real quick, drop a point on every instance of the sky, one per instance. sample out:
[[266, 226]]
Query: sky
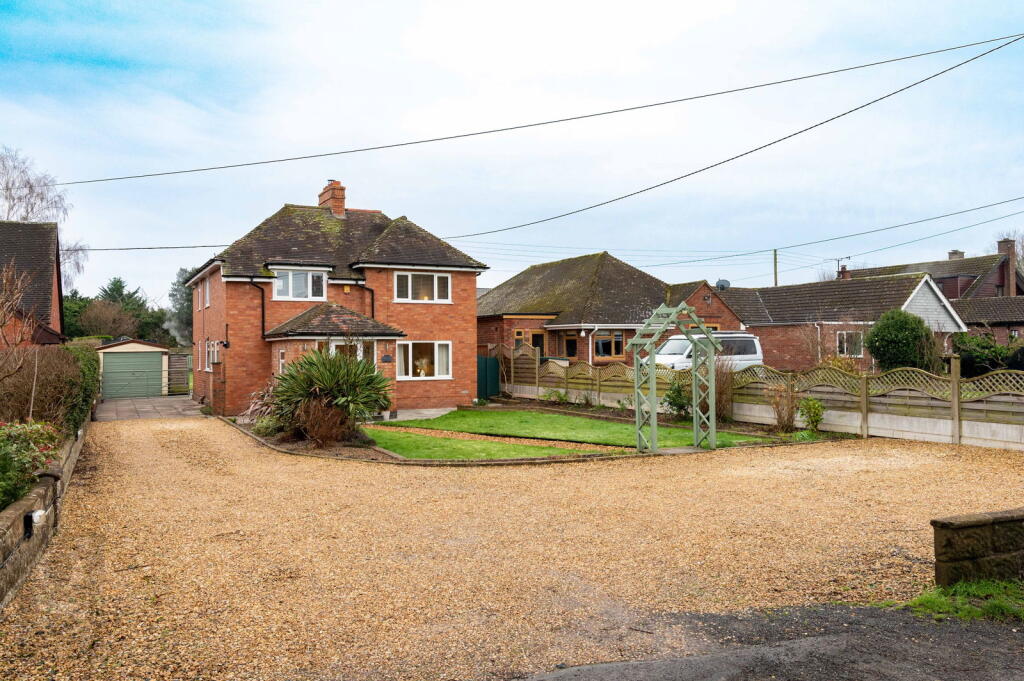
[[91, 89]]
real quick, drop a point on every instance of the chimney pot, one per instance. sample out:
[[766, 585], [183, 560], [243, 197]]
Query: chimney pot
[[333, 196], [956, 254], [843, 272]]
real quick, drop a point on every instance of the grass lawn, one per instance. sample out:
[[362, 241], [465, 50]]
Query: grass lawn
[[561, 427], [973, 600], [414, 446]]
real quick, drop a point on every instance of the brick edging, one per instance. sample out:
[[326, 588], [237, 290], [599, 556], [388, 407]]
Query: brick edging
[[461, 463]]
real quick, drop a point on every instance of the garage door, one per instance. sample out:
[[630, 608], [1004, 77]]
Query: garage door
[[132, 374]]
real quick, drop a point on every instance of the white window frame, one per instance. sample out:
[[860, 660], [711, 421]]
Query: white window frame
[[206, 292], [210, 348], [292, 273], [843, 335], [435, 275], [281, 361], [451, 361], [358, 342]]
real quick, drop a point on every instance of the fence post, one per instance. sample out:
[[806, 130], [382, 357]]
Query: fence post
[[512, 372], [597, 372], [536, 371], [568, 364], [864, 405], [954, 397]]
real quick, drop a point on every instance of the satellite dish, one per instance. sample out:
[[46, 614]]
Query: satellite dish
[[722, 284]]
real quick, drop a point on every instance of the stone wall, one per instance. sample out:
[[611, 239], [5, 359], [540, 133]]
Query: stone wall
[[22, 538], [979, 546]]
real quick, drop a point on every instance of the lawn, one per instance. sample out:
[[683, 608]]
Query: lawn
[[414, 446], [562, 427]]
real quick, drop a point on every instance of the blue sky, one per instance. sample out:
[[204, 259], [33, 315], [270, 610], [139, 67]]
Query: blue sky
[[98, 89]]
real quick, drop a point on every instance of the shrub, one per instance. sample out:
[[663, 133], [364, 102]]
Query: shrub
[[266, 426], [812, 411], [326, 395], [982, 354], [679, 398], [783, 401], [847, 364], [56, 384], [24, 448], [901, 339], [552, 395]]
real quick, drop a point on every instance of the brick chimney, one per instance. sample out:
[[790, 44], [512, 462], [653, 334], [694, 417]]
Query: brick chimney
[[333, 196], [1008, 247], [956, 255], [843, 273]]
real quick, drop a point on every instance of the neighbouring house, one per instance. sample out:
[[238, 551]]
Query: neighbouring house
[[801, 324], [586, 308], [33, 250], [1001, 316], [984, 276], [354, 281]]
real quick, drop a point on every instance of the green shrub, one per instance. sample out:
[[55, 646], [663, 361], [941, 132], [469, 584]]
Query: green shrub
[[901, 339], [24, 449], [326, 395], [982, 354], [679, 398], [552, 395], [812, 411], [88, 385], [266, 426]]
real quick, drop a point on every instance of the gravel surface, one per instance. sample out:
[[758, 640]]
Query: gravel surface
[[459, 435], [187, 551]]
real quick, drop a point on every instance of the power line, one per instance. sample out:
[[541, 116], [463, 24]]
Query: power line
[[740, 155], [154, 248], [524, 126]]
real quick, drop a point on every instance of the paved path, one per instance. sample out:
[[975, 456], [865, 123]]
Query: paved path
[[147, 408], [187, 551]]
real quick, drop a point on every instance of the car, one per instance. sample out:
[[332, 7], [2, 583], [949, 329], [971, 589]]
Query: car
[[742, 348]]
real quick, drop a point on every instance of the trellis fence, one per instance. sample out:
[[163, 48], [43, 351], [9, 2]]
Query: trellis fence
[[907, 403]]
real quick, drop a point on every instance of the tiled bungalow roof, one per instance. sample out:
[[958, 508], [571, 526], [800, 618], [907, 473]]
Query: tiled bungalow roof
[[332, 319], [837, 300], [589, 289], [32, 248], [677, 293], [314, 235], [999, 310]]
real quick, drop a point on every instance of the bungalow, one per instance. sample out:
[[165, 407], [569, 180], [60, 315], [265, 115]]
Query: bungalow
[[351, 280], [30, 251], [800, 325], [586, 308]]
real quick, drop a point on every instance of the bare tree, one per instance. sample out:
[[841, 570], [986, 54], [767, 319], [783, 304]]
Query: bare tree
[[1018, 236], [104, 318], [28, 195], [825, 274], [16, 324]]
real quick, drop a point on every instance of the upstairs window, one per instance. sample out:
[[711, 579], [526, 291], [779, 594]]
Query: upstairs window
[[300, 285], [206, 292], [422, 287], [850, 343]]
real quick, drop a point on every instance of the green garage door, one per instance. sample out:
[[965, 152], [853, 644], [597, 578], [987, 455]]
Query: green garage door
[[132, 374]]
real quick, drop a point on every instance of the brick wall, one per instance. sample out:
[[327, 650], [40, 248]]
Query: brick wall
[[1001, 333], [979, 546], [794, 347]]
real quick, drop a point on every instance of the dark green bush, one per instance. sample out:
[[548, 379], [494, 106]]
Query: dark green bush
[[982, 354], [812, 411], [901, 339], [24, 449], [88, 385], [679, 398], [266, 426]]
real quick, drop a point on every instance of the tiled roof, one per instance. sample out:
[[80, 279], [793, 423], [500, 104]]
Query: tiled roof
[[998, 310], [589, 289], [332, 319], [977, 267], [32, 248], [677, 293], [837, 300], [312, 234]]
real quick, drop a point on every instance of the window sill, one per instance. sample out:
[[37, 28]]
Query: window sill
[[422, 302], [424, 378], [300, 300]]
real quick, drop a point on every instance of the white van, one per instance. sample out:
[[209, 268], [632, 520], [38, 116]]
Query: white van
[[744, 349]]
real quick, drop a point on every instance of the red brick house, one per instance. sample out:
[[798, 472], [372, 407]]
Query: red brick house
[[800, 325], [328, 276], [586, 308], [1002, 316], [32, 249]]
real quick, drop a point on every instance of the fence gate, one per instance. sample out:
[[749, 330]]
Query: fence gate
[[487, 377], [645, 393]]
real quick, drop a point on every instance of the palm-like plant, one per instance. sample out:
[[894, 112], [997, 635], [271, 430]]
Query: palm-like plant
[[327, 395]]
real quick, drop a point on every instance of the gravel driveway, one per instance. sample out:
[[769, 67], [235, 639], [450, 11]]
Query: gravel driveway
[[189, 552]]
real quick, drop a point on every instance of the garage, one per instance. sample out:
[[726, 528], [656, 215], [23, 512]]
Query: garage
[[133, 368]]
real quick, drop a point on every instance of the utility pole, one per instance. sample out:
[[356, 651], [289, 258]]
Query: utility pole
[[775, 264]]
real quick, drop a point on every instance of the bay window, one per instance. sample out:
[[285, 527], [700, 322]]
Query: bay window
[[300, 285], [424, 359], [422, 287]]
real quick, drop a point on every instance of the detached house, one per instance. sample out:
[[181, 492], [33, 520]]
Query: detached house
[[586, 308], [354, 281], [800, 325], [32, 251]]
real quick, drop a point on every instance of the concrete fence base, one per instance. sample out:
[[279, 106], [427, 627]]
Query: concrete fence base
[[27, 525], [979, 546]]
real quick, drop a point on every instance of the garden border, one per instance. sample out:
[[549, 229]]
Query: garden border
[[23, 539]]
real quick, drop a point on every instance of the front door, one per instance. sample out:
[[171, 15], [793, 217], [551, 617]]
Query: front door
[[537, 341]]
